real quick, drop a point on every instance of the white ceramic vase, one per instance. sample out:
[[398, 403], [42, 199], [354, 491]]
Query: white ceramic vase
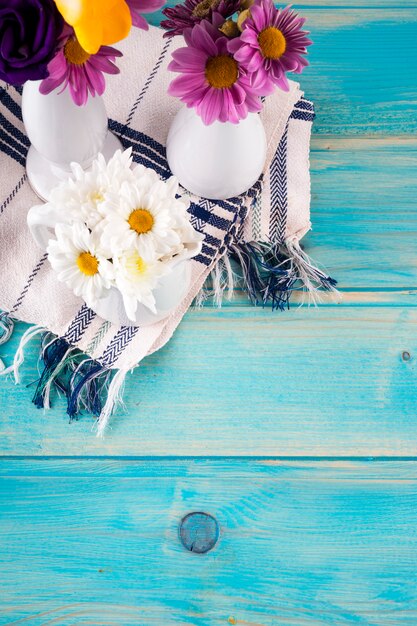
[[218, 161], [60, 133], [169, 293]]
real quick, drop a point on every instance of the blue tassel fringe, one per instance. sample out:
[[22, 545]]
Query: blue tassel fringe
[[269, 273], [272, 273], [82, 380]]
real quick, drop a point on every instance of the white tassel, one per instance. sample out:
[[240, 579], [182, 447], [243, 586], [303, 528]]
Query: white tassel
[[19, 357], [6, 327], [308, 274], [114, 398], [223, 280]]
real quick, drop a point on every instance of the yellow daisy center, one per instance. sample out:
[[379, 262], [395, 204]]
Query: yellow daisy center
[[221, 71], [140, 265], [135, 265], [74, 53], [272, 43], [87, 264], [96, 197], [141, 221]]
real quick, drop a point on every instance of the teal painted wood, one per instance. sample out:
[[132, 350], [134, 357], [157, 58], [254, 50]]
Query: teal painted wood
[[329, 382], [300, 543]]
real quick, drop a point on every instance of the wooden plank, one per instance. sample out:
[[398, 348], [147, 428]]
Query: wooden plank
[[242, 381], [363, 214], [313, 543], [355, 91]]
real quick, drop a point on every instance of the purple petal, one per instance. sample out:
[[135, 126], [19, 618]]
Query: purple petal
[[211, 105], [202, 41], [183, 85], [258, 17]]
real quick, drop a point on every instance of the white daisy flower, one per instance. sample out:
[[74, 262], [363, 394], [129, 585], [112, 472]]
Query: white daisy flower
[[83, 194], [136, 277], [76, 257], [144, 214], [121, 226]]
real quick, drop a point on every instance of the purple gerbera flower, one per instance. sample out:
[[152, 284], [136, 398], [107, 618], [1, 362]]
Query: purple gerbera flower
[[271, 44], [137, 7], [83, 73], [211, 80], [192, 12]]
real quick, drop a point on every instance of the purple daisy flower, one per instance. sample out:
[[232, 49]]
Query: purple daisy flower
[[81, 72], [192, 12], [271, 44], [211, 80], [137, 7]]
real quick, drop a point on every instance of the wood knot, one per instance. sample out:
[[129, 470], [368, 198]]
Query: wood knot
[[198, 532]]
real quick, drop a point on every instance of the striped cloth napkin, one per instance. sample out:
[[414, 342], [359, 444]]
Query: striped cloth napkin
[[87, 357]]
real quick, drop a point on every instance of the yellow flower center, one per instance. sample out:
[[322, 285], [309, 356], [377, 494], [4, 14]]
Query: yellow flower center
[[141, 221], [87, 264], [272, 43], [221, 71], [140, 265], [96, 197], [135, 265], [74, 53]]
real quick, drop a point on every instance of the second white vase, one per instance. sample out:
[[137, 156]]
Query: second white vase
[[219, 161], [61, 133]]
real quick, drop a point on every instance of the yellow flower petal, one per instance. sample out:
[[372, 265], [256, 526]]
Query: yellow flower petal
[[97, 22], [71, 10]]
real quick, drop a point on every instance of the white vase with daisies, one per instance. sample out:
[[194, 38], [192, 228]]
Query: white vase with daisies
[[119, 238]]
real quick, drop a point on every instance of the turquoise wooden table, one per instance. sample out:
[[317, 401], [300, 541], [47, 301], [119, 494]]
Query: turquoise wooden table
[[296, 433]]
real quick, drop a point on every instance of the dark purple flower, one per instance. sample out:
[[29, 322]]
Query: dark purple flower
[[29, 31], [192, 12]]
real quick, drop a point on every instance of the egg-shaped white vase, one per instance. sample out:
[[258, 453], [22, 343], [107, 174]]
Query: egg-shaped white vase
[[60, 132], [218, 161]]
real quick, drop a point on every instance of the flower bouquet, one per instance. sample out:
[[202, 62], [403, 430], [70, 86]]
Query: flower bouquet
[[237, 52], [121, 241], [61, 51]]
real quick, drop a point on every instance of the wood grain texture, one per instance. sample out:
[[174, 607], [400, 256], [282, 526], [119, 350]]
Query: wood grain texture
[[329, 382], [300, 543]]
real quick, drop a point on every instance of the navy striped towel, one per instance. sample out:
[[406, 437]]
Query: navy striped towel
[[260, 230]]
